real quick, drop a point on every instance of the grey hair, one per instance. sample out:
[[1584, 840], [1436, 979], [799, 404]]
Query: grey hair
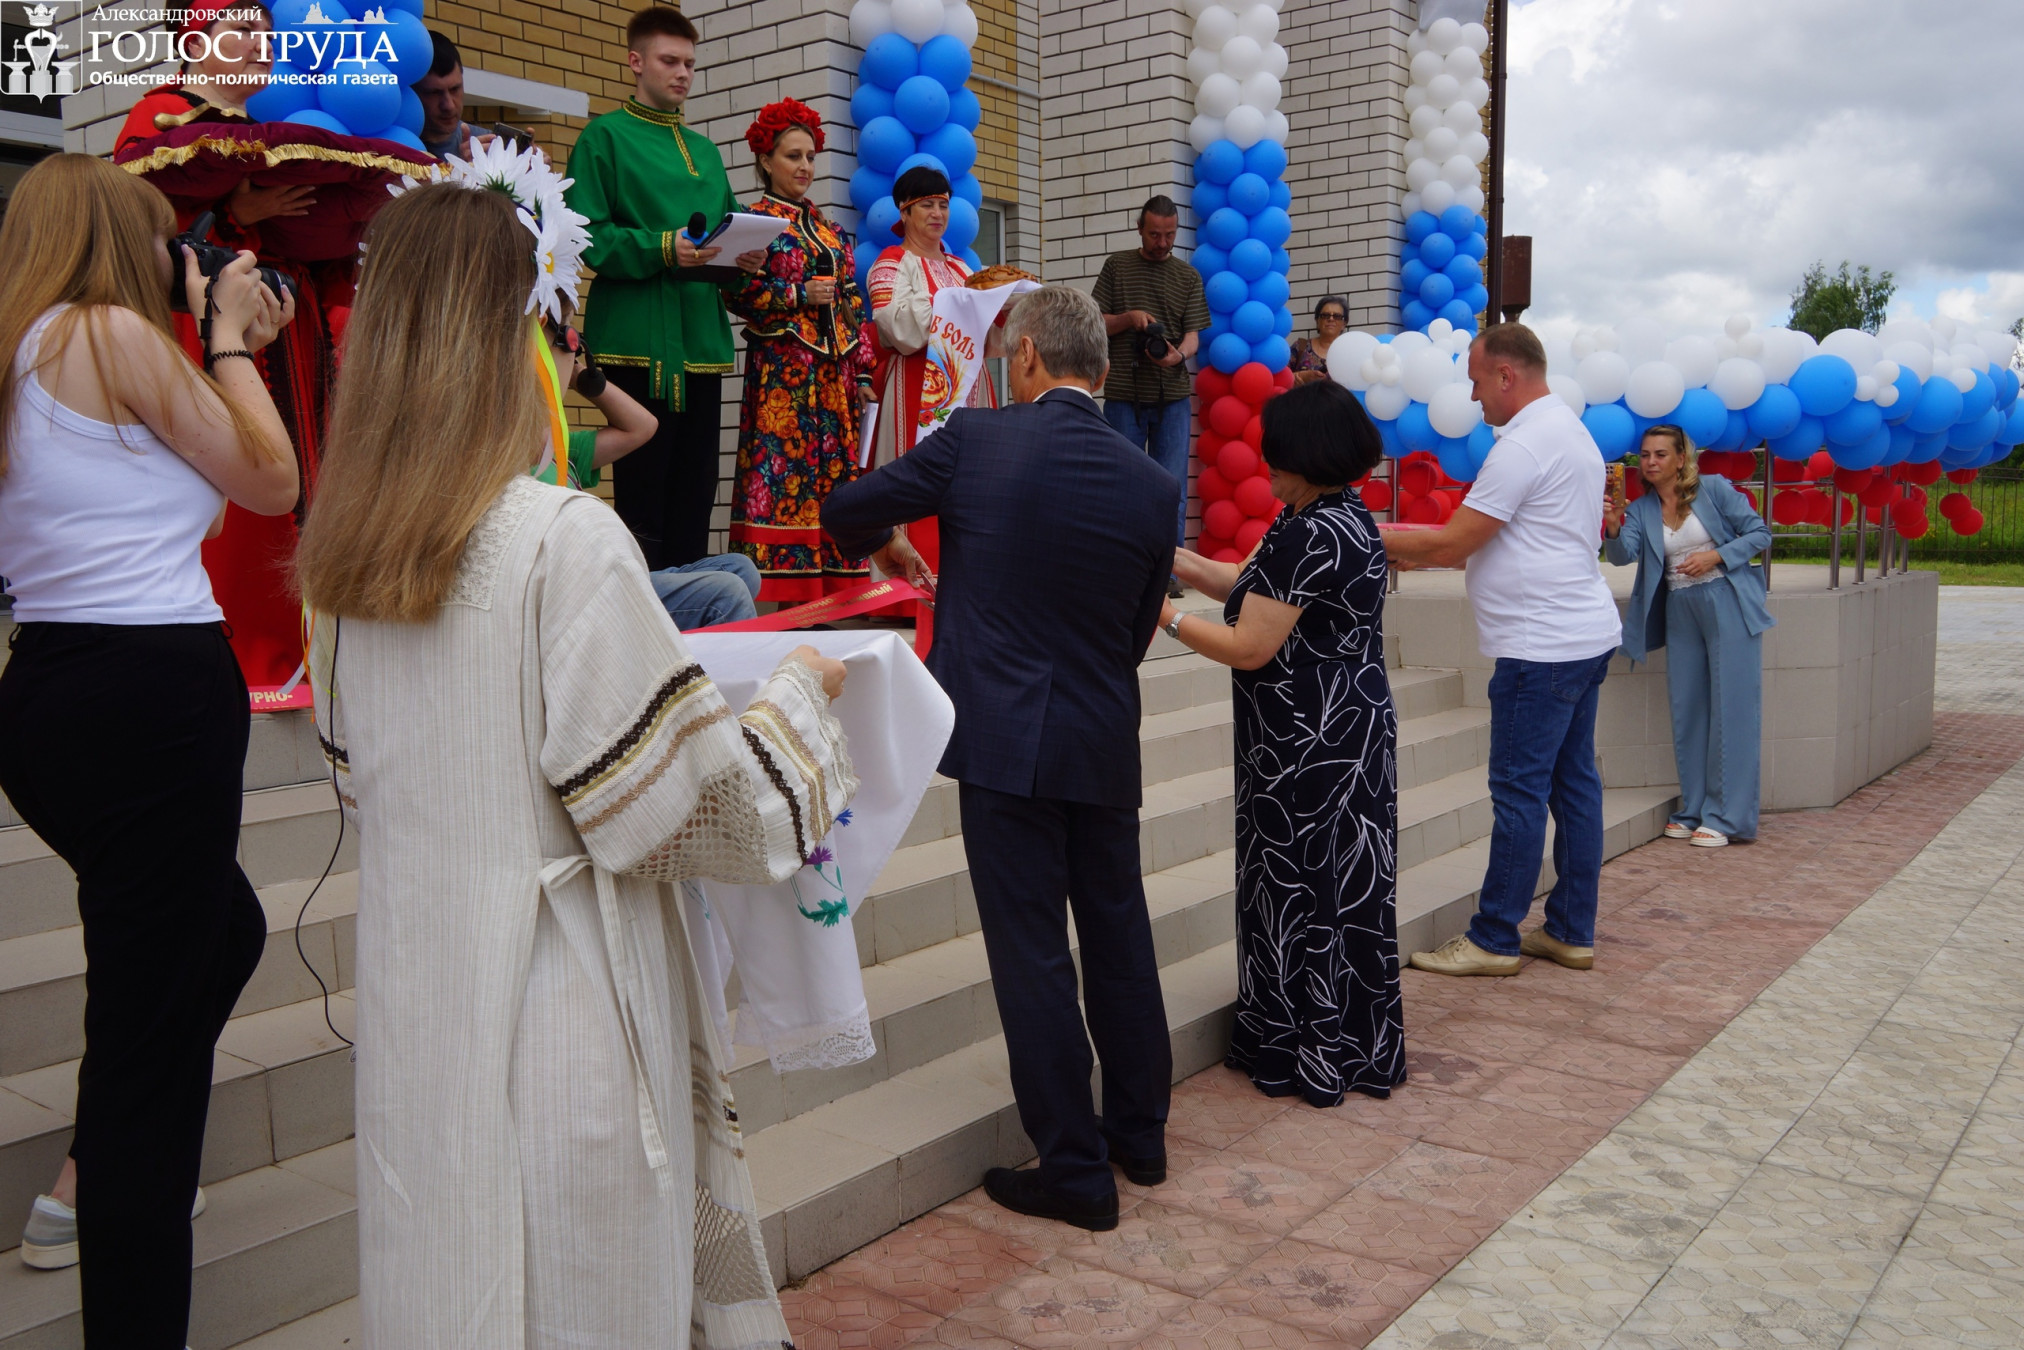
[[1067, 332]]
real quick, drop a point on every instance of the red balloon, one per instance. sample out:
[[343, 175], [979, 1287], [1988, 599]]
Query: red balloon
[[1426, 511], [1954, 502], [1221, 519], [1848, 510], [1252, 383], [1928, 472], [1788, 508], [1788, 471], [1377, 496], [1962, 476], [1756, 502], [1912, 527], [1820, 466], [1853, 480], [1227, 416], [1418, 478], [1237, 461], [1880, 492], [1405, 504], [1254, 498], [1905, 510], [1914, 492], [1211, 384], [1207, 444], [1211, 486], [1283, 379], [1226, 555], [1248, 535], [1254, 433], [1819, 507], [1968, 522]]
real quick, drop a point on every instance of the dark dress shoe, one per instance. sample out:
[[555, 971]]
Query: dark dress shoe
[[1147, 1171], [1024, 1193]]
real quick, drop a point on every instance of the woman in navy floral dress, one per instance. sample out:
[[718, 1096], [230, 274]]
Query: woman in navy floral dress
[[807, 373], [1318, 1009]]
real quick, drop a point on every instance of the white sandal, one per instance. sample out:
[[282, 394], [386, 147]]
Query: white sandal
[[1675, 830], [1707, 838]]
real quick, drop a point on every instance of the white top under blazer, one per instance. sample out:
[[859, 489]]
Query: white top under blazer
[[99, 523]]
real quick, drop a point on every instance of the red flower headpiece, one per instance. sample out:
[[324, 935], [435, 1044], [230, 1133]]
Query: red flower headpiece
[[774, 118]]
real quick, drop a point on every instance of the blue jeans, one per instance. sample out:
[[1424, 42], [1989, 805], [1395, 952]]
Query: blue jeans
[[719, 589], [1161, 430], [1542, 760]]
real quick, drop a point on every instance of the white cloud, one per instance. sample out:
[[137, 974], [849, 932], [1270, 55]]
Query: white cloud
[[1686, 161]]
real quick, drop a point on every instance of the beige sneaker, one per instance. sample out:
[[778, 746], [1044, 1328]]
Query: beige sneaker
[[1537, 943], [1459, 956]]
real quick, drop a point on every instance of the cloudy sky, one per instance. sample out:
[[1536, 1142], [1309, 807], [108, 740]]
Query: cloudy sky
[[1687, 159]]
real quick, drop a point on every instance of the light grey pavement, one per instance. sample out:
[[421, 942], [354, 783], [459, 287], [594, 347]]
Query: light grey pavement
[[1981, 659]]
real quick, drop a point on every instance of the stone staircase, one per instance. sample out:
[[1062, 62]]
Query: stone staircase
[[839, 1157]]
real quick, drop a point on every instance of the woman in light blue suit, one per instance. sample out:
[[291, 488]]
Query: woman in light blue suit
[[1697, 596]]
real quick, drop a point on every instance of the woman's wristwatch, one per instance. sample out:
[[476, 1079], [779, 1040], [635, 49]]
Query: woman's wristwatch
[[1174, 628]]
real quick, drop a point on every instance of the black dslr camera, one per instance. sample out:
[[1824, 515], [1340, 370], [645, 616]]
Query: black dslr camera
[[1152, 342], [211, 260]]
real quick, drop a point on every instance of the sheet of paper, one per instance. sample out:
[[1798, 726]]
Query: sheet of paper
[[744, 232], [864, 441]]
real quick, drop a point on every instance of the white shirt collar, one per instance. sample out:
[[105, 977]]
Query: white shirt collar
[[1526, 413]]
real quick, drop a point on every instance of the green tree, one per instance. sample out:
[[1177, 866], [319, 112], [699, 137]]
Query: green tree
[[1848, 298]]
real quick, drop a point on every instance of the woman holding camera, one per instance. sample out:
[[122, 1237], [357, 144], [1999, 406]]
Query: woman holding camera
[[807, 372], [1697, 596], [123, 716]]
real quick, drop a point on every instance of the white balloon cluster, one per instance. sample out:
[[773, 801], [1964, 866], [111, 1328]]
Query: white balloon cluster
[[914, 20], [1429, 368], [1236, 63], [1444, 102]]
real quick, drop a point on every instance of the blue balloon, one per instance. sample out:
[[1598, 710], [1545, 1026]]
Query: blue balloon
[[1908, 389], [1477, 298], [1480, 442], [1248, 194], [317, 117], [1282, 261], [946, 60], [1459, 315], [881, 226], [1464, 272], [867, 186], [1220, 163], [1410, 253], [870, 102], [1251, 321], [1267, 159], [1807, 435], [1458, 222], [362, 96], [1272, 226], [1475, 246], [1902, 444], [400, 135], [1735, 431], [1209, 260], [1282, 318], [1412, 276], [921, 103], [2013, 428], [1226, 290], [1227, 228], [1775, 413], [1219, 324], [1208, 199], [1978, 400], [884, 144], [1928, 448], [1824, 385], [1701, 415], [1453, 454], [1229, 351], [1854, 424], [1436, 290], [413, 117], [963, 223], [2006, 394], [889, 61], [1938, 408], [285, 95], [1388, 434], [971, 260], [1437, 250], [1282, 194], [964, 109], [1415, 431], [1415, 315], [1420, 224], [1871, 451], [1250, 259], [1271, 291], [414, 51], [1273, 353], [1975, 432], [917, 160], [955, 147], [969, 189]]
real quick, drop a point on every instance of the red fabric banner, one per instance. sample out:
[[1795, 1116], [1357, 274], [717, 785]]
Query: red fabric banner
[[842, 605]]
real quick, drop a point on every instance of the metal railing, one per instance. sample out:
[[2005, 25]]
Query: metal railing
[[1997, 492]]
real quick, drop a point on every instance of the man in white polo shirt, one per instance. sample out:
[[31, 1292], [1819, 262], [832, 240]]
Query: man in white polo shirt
[[1530, 530]]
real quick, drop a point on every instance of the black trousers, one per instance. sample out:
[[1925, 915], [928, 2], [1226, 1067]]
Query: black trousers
[[123, 748], [664, 491], [1028, 854]]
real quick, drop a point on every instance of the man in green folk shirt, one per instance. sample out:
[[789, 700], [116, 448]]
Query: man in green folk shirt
[[660, 336]]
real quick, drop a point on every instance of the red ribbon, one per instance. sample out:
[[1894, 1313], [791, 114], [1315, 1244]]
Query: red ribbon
[[843, 605]]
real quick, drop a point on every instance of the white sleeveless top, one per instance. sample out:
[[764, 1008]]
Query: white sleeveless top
[[99, 523], [1692, 537]]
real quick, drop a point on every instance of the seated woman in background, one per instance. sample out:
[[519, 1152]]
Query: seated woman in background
[[1310, 355], [1697, 596], [1318, 1008]]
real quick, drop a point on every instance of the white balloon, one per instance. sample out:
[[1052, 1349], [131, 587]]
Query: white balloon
[[1421, 172], [1241, 57], [1604, 376], [1440, 143], [1737, 325], [1348, 356], [1261, 91], [2002, 348], [1461, 119], [1275, 5], [1438, 331], [1969, 355], [1654, 388], [1476, 38], [1785, 350], [1476, 93], [1963, 378], [1386, 401], [1886, 397], [917, 20], [1738, 382], [1277, 129], [1426, 66], [1218, 95], [1202, 63], [1464, 64], [1214, 26], [1944, 328], [1370, 372], [1694, 358], [1458, 170], [1583, 345], [1606, 340], [1275, 60], [869, 19], [1943, 365], [1415, 149], [1476, 147], [1641, 340], [1865, 387], [1885, 373], [1245, 126], [1444, 35], [1424, 119], [1725, 347], [1416, 98], [1750, 345], [1452, 411], [1471, 197], [960, 23], [1409, 205], [1438, 195], [1861, 350], [1260, 23], [1906, 330], [1204, 132], [1416, 42], [1443, 89], [1568, 389], [1405, 344], [1426, 371]]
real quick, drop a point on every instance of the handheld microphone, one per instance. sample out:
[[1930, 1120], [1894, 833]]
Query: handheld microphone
[[699, 227]]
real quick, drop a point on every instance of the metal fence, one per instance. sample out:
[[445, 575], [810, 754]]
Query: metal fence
[[1997, 492]]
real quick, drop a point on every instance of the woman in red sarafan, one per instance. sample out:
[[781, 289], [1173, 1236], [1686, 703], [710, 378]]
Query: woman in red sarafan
[[807, 372]]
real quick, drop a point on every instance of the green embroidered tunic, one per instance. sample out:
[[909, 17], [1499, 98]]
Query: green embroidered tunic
[[640, 175]]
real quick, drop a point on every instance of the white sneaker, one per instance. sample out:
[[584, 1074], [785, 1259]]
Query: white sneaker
[[1707, 838], [49, 1240], [1675, 830]]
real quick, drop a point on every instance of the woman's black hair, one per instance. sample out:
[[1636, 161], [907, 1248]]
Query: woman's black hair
[[1319, 431], [1325, 301], [918, 182]]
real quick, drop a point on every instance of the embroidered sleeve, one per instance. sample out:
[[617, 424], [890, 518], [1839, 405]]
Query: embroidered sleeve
[[659, 777], [902, 317], [774, 291]]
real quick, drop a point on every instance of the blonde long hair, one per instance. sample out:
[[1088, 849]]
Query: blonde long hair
[[437, 405], [1688, 484], [82, 233]]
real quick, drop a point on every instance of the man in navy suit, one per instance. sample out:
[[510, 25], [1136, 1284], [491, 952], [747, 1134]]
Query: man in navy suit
[[1057, 540]]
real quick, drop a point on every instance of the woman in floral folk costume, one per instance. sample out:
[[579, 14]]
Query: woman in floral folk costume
[[807, 372]]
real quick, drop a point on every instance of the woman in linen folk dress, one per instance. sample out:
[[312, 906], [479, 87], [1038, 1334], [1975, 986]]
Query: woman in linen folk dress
[[548, 1153]]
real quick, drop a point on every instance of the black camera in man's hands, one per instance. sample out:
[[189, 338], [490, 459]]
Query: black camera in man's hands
[[211, 260], [1152, 342]]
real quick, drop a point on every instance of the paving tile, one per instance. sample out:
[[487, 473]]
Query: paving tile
[[1524, 1289], [935, 1262], [1250, 1190], [1344, 1295], [1324, 1143], [1061, 1303], [1185, 1250], [1590, 1102], [1219, 1106], [1636, 1197], [1210, 1326], [829, 1314]]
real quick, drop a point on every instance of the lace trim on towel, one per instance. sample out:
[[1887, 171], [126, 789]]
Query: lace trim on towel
[[485, 547], [835, 1047]]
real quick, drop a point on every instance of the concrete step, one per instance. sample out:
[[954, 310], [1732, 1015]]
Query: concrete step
[[275, 1244]]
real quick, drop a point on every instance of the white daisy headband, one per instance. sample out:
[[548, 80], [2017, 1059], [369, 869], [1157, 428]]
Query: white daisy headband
[[536, 190]]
